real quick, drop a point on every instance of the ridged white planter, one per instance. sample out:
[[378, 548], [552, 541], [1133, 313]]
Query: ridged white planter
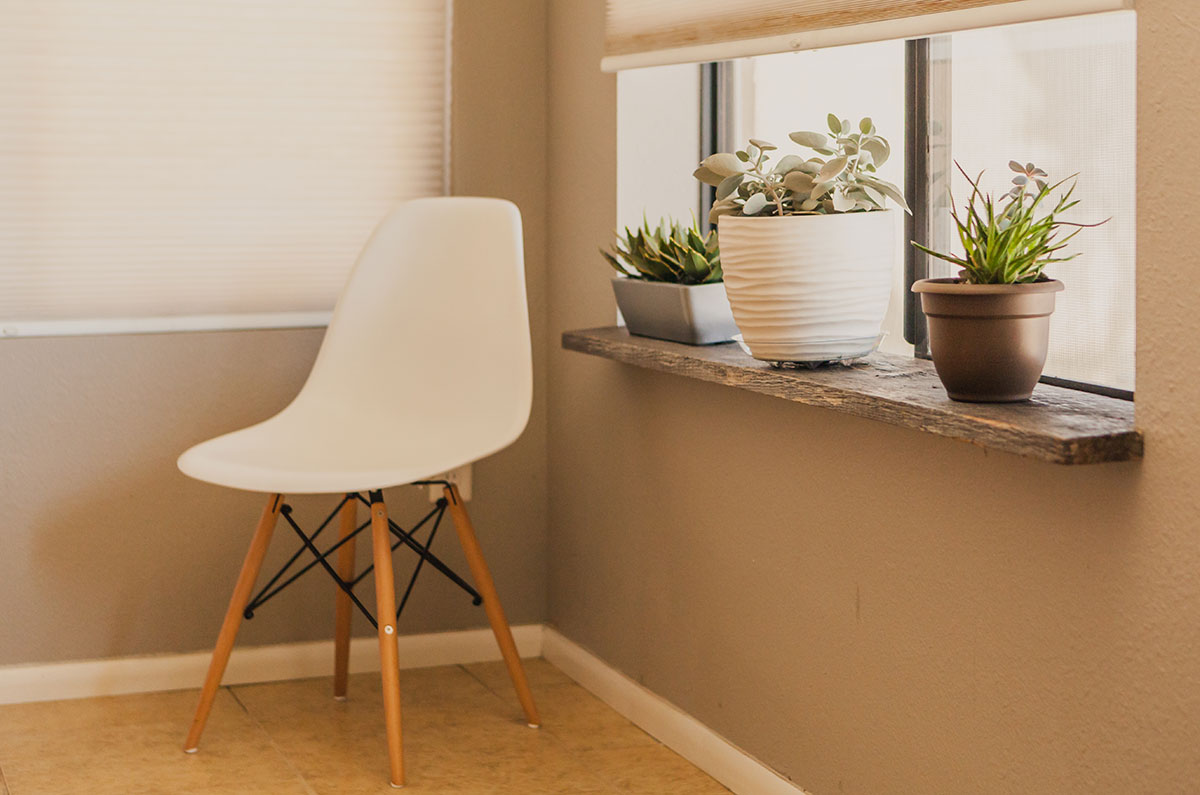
[[809, 287]]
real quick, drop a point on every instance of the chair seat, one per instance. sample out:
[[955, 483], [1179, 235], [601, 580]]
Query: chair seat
[[296, 454], [426, 364]]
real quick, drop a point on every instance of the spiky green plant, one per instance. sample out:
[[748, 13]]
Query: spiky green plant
[[671, 253], [1007, 240]]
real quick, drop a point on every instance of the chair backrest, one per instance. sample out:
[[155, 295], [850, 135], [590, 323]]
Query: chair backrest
[[429, 343]]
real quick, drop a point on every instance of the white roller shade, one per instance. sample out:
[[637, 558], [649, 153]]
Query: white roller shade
[[656, 32], [206, 163]]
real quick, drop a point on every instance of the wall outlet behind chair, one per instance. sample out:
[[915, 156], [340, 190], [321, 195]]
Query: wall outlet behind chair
[[459, 476]]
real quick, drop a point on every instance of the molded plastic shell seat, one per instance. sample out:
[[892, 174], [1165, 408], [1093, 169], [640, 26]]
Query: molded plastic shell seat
[[426, 364]]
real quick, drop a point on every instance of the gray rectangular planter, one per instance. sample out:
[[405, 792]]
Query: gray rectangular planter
[[695, 314]]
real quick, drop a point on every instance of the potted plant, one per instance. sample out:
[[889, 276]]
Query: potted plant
[[989, 328], [669, 284], [808, 246]]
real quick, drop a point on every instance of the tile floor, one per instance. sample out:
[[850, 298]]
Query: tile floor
[[463, 735]]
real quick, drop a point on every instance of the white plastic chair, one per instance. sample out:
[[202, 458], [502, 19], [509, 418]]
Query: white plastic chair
[[426, 366]]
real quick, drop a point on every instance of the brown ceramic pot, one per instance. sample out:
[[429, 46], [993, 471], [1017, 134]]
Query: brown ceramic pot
[[988, 341]]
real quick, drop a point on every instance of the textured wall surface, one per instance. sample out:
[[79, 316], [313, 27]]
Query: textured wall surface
[[866, 608], [107, 550]]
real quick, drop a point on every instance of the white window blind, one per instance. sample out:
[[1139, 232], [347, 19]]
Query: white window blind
[[174, 163], [656, 32]]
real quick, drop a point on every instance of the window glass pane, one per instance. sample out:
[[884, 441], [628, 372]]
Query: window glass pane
[[779, 94], [1061, 94], [658, 143]]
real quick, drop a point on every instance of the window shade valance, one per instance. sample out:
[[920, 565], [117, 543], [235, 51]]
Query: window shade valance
[[175, 164], [655, 32]]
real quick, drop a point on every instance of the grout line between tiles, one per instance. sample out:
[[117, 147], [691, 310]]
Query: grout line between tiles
[[486, 686], [238, 700], [286, 760]]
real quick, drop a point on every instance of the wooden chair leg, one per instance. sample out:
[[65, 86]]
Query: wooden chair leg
[[233, 618], [342, 604], [389, 653], [491, 602]]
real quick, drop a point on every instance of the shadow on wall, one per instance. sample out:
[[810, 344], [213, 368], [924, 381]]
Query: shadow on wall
[[785, 572], [100, 525], [162, 583], [149, 564]]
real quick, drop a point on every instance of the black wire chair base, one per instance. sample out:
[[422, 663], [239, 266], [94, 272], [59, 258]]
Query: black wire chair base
[[406, 538]]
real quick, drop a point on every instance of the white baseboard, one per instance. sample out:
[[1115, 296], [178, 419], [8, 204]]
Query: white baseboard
[[666, 722], [87, 678]]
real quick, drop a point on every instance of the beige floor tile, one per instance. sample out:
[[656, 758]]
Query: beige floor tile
[[133, 744], [649, 770], [463, 734], [549, 769], [442, 685], [20, 720], [539, 673], [582, 722], [449, 748], [456, 773], [297, 787]]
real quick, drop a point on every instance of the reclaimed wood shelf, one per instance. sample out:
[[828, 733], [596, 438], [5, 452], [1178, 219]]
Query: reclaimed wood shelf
[[1063, 426]]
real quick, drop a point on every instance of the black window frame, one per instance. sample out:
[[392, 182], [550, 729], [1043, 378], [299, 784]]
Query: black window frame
[[927, 166]]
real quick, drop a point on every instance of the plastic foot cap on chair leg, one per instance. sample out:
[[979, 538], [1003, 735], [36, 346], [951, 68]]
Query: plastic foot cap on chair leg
[[534, 725], [339, 698], [190, 750], [395, 785]]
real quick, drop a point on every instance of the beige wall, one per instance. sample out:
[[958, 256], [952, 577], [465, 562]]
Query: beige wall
[[106, 550], [869, 609]]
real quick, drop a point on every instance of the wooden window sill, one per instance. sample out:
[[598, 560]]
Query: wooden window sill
[[1062, 426]]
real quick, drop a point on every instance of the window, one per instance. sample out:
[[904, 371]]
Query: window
[[658, 140], [1059, 93], [214, 164]]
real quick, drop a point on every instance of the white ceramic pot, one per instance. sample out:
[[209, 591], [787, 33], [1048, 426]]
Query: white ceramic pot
[[807, 288]]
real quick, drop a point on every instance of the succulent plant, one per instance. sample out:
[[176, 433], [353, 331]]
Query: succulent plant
[[671, 252], [1007, 241], [842, 181]]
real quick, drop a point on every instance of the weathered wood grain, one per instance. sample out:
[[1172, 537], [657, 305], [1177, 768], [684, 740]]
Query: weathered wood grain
[[1063, 426]]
